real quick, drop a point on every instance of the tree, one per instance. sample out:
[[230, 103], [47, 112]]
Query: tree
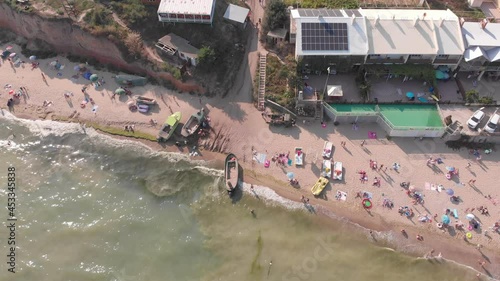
[[206, 57], [276, 15]]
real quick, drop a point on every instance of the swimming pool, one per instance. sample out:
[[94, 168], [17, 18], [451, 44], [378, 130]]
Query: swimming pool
[[412, 115], [403, 120]]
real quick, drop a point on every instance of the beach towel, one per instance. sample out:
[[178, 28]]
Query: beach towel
[[422, 99], [341, 195], [260, 158], [367, 195], [427, 186], [372, 135], [440, 188], [455, 213], [290, 162]]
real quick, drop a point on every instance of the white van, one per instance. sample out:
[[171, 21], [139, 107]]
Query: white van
[[492, 124]]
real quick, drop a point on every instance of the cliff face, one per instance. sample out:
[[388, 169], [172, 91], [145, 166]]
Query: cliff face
[[62, 35], [66, 37]]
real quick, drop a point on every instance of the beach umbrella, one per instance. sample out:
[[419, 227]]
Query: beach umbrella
[[450, 169], [12, 55], [33, 57], [410, 95], [8, 48], [470, 217], [94, 77], [120, 91], [445, 219], [290, 175], [53, 63], [76, 68], [450, 191]]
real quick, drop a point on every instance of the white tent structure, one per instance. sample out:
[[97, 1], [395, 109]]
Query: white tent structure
[[334, 91]]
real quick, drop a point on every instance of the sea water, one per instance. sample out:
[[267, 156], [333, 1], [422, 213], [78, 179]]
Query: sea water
[[90, 207]]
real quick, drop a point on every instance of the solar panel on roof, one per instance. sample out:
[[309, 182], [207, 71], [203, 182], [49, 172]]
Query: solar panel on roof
[[349, 13], [324, 37], [357, 13]]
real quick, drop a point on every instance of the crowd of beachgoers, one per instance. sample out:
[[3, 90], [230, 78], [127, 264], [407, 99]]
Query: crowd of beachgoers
[[425, 194]]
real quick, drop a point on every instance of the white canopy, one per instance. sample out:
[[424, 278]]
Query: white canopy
[[474, 53], [334, 91], [494, 54]]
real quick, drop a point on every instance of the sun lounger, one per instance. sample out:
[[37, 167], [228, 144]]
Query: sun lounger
[[337, 171], [299, 156], [327, 150]]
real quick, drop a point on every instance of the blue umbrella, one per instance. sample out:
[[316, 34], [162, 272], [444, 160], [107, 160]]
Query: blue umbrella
[[451, 169], [410, 95], [33, 58], [290, 175], [445, 219], [450, 192]]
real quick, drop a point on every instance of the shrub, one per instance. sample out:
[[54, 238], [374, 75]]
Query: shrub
[[132, 11], [206, 58], [98, 17], [275, 15], [133, 42], [471, 96]]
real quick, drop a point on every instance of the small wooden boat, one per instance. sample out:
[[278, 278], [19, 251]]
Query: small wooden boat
[[168, 128], [145, 100], [231, 173], [319, 186], [193, 123]]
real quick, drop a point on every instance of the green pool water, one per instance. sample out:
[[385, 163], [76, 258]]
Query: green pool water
[[400, 115], [354, 107]]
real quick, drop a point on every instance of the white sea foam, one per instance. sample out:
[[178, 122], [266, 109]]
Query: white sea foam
[[271, 197]]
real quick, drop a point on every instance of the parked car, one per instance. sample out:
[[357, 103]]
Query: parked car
[[492, 124], [476, 118]]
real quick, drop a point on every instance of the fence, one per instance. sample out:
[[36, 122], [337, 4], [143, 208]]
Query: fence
[[383, 122]]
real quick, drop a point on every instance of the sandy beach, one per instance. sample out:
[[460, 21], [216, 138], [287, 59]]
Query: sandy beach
[[247, 135]]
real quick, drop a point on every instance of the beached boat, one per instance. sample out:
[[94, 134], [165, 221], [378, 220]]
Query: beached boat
[[145, 100], [231, 173], [299, 156], [168, 128], [337, 171], [327, 150], [130, 80], [193, 123], [327, 169], [319, 186]]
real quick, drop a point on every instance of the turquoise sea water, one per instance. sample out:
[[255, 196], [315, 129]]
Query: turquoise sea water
[[94, 208]]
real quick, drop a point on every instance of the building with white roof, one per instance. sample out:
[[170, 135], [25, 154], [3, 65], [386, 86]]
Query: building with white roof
[[376, 36], [482, 43], [187, 11]]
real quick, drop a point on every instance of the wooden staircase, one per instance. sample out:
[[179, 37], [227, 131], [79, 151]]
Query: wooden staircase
[[262, 82]]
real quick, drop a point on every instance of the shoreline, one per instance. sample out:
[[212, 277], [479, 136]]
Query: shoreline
[[332, 214], [242, 129]]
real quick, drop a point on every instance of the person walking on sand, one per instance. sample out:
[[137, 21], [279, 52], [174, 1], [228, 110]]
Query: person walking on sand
[[362, 143], [43, 78], [472, 181], [380, 167], [481, 263]]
